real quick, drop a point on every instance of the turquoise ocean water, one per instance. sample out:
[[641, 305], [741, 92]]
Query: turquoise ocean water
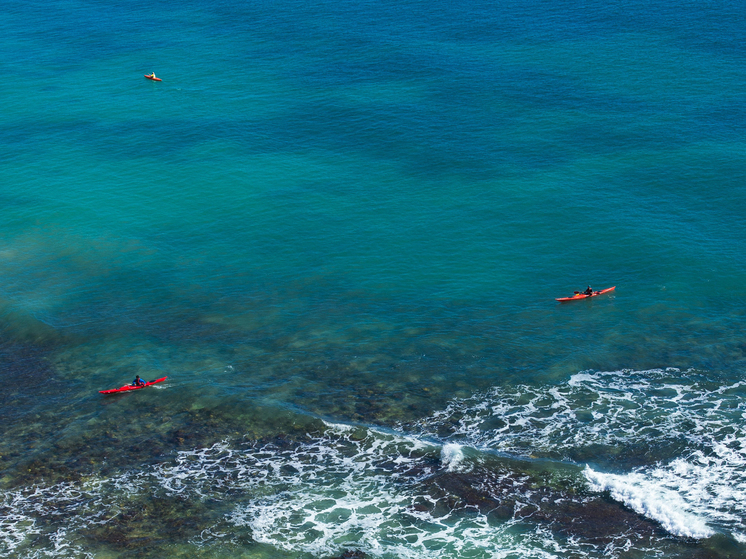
[[339, 228]]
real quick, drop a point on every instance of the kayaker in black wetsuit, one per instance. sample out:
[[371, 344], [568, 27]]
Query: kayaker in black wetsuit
[[588, 291], [138, 381]]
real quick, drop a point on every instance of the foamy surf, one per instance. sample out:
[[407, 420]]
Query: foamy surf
[[388, 495], [645, 496], [695, 482], [404, 494], [452, 458], [687, 494]]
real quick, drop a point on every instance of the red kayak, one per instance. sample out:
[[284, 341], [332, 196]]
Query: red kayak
[[579, 295], [152, 77], [130, 387]]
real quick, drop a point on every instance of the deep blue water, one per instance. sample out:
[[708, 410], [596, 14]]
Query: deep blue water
[[339, 229]]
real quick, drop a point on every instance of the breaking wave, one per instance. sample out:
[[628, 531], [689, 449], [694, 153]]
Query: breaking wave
[[459, 483], [678, 435], [348, 488]]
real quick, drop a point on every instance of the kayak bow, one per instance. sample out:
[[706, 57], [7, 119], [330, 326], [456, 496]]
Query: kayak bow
[[129, 387], [579, 296]]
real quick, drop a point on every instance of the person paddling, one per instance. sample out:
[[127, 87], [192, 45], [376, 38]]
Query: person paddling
[[138, 381], [588, 291], [152, 75]]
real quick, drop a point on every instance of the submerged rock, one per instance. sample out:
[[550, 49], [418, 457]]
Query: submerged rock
[[352, 554], [507, 493]]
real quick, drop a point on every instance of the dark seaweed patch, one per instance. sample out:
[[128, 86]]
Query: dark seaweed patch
[[154, 520]]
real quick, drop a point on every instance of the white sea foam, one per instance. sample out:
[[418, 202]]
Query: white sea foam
[[644, 495], [368, 501], [15, 529], [700, 420], [359, 488], [350, 488], [452, 458], [76, 505]]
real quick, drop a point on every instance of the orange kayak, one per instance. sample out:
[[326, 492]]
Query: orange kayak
[[579, 296], [153, 78]]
